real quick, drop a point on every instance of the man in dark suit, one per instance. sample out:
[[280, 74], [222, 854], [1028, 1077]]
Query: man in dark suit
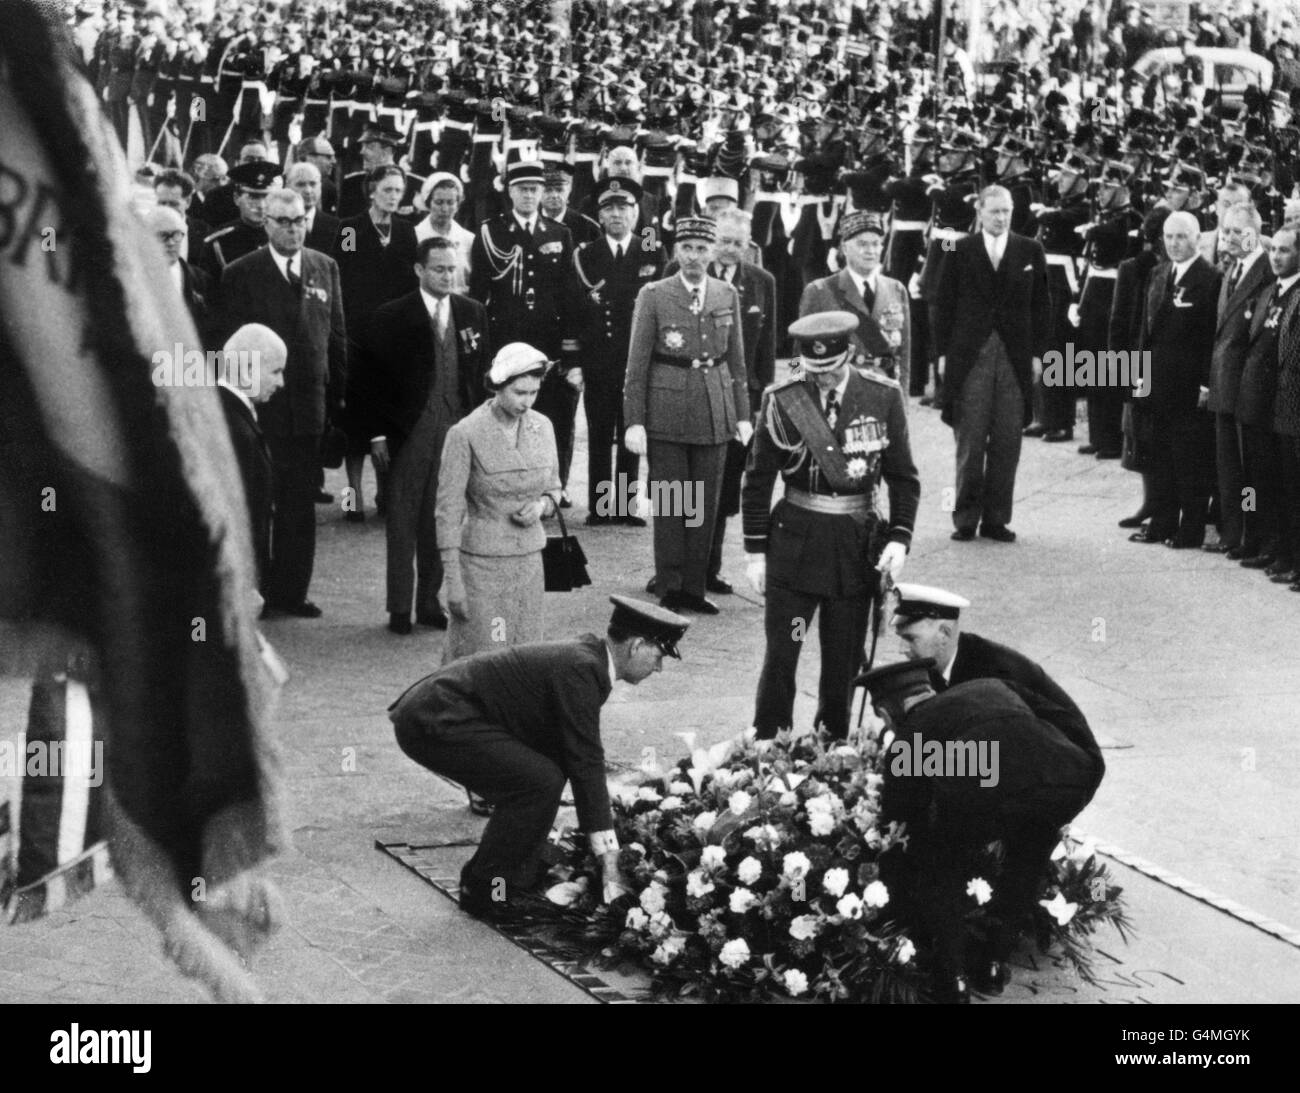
[[611, 271], [296, 293], [831, 433], [884, 335], [1178, 334], [1028, 780], [557, 183], [322, 229], [927, 621], [175, 189], [320, 154], [757, 291], [252, 370], [1266, 541], [684, 398], [1286, 410], [993, 295], [514, 725], [193, 285], [1247, 276], [521, 270], [426, 358]]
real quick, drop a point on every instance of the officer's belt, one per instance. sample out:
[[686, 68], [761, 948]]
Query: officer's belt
[[824, 450], [1066, 262], [683, 362], [1107, 274], [909, 225], [954, 234], [846, 505]]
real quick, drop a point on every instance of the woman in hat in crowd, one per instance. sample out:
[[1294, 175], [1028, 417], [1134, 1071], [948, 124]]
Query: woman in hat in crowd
[[500, 477], [440, 198]]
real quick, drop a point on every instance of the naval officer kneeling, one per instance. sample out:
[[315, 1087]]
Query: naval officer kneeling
[[514, 724]]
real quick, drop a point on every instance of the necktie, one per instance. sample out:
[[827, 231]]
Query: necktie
[[1234, 277], [869, 297], [618, 253], [697, 304], [832, 408], [1173, 281], [295, 282], [440, 320], [995, 255]]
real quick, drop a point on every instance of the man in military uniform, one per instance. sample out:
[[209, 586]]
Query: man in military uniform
[[557, 184], [611, 271], [515, 724], [521, 270], [1031, 779], [252, 182], [685, 397], [831, 433]]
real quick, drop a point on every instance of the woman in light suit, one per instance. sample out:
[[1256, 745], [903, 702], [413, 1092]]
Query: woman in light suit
[[500, 477]]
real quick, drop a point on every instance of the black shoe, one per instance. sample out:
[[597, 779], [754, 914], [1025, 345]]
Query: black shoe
[[1134, 521], [997, 532], [1033, 430], [952, 991], [1258, 561], [304, 610], [632, 522], [598, 521], [1235, 554], [1087, 449], [990, 978], [926, 400], [1110, 455], [1289, 577], [436, 619], [565, 503], [355, 517], [718, 585], [1058, 436], [963, 535], [1278, 567], [1216, 548], [323, 498], [1178, 542], [478, 805], [476, 899], [650, 586], [698, 604], [1144, 537], [1294, 587], [399, 623]]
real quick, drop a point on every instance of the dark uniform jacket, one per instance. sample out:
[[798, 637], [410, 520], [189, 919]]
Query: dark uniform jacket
[[980, 658], [1037, 763], [1232, 335], [608, 294], [686, 371], [973, 301], [227, 244], [546, 695], [1267, 315], [757, 290], [822, 553], [254, 461], [400, 360], [253, 290], [582, 228], [526, 282], [1179, 333]]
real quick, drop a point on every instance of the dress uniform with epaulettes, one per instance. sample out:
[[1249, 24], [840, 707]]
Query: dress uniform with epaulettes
[[819, 540]]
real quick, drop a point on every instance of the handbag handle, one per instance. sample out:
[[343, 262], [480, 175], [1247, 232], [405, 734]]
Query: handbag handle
[[559, 512]]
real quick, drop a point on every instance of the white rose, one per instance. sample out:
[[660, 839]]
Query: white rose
[[795, 865], [850, 906], [670, 804], [636, 919], [805, 927], [652, 898], [669, 950], [646, 793], [742, 899], [567, 892], [789, 799], [680, 789], [734, 953], [820, 803], [697, 885], [821, 823], [637, 847], [980, 889], [749, 870], [660, 924], [705, 820], [875, 894], [795, 982], [739, 802], [835, 882], [1059, 908], [906, 950], [714, 857]]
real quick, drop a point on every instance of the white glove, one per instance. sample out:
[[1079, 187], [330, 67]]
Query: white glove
[[574, 376], [1074, 314], [756, 572], [744, 431], [634, 439], [892, 559]]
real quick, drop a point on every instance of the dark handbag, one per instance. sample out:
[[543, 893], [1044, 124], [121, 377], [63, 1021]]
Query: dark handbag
[[333, 445], [1139, 438], [564, 565]]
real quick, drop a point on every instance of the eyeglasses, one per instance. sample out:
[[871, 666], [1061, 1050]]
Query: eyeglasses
[[172, 236], [288, 221]]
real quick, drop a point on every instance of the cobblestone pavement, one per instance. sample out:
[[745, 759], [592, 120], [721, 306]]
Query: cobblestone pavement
[[1183, 662]]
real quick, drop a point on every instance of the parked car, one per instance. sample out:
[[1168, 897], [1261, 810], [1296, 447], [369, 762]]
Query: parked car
[[1227, 71]]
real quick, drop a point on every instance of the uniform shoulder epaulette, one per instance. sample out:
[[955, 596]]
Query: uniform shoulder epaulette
[[220, 232], [789, 381], [880, 378]]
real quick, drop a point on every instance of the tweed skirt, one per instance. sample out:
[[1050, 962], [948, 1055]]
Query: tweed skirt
[[503, 602]]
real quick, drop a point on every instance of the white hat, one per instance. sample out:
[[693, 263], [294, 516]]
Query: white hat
[[923, 601], [513, 360], [439, 178], [718, 187]]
